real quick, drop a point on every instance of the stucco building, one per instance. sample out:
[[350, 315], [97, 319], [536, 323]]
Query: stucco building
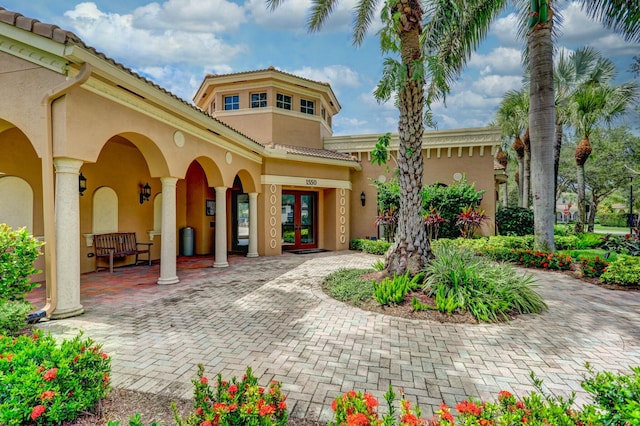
[[251, 167]]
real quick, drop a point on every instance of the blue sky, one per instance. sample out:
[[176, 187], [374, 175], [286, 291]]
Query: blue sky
[[176, 42]]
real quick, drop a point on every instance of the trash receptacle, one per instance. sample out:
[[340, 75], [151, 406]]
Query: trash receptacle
[[187, 240]]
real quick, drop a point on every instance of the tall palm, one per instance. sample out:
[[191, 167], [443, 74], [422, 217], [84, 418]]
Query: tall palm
[[573, 70], [590, 105], [457, 25], [513, 118]]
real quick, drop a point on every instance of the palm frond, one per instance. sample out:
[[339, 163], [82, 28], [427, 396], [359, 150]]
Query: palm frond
[[623, 16], [364, 12], [320, 11]]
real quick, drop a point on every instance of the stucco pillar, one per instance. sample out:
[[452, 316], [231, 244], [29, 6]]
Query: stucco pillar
[[168, 273], [253, 225], [67, 215], [221, 228]]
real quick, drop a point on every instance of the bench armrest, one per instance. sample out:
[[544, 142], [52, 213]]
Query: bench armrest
[[146, 244]]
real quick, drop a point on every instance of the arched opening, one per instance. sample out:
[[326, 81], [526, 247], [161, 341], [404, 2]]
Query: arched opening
[[16, 210]]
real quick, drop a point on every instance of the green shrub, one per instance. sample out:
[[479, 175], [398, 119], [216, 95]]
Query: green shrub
[[564, 229], [569, 242], [18, 252], [593, 267], [12, 316], [458, 279], [616, 396], [625, 270], [448, 202], [375, 246], [392, 291], [524, 242], [378, 265], [356, 244], [514, 221], [347, 286], [531, 258], [589, 240], [47, 383], [236, 402], [625, 244], [614, 219]]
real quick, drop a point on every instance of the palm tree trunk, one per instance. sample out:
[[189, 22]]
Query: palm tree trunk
[[557, 147], [411, 248], [520, 181], [592, 216], [505, 195], [582, 202], [541, 123], [526, 190]]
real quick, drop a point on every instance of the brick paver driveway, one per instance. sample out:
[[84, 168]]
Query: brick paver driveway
[[270, 313]]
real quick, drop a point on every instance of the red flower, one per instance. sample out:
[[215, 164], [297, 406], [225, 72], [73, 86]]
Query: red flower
[[104, 356], [233, 389], [370, 400], [47, 394], [51, 374], [545, 265], [37, 411], [520, 405], [204, 380], [503, 394], [75, 359], [358, 419], [261, 390], [232, 407], [206, 423], [266, 410], [469, 407], [199, 411], [220, 406], [282, 406], [9, 357]]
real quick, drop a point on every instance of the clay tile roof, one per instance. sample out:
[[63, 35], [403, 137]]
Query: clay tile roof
[[63, 36], [270, 68], [313, 152]]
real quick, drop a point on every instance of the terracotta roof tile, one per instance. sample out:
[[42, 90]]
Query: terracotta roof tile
[[270, 68], [313, 152], [63, 36]]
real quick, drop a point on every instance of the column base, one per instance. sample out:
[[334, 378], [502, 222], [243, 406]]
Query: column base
[[220, 264], [67, 313], [168, 281], [252, 255]]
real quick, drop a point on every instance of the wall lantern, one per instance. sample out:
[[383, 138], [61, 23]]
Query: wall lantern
[[363, 198], [82, 184], [145, 192]]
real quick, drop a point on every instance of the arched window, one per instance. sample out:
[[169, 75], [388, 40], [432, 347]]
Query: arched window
[[105, 211]]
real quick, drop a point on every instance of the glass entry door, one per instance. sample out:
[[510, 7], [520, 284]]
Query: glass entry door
[[241, 222], [299, 223]]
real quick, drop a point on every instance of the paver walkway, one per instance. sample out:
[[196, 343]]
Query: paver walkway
[[270, 314]]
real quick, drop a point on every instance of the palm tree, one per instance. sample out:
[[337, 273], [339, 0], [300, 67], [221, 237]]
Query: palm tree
[[583, 66], [453, 31], [591, 104], [513, 118]]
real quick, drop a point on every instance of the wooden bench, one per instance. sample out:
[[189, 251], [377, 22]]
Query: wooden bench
[[119, 245]]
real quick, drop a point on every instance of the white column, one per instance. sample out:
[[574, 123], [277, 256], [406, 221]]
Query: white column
[[253, 225], [221, 228], [67, 214], [168, 251]]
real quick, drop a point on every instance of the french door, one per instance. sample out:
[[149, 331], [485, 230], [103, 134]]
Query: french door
[[299, 220]]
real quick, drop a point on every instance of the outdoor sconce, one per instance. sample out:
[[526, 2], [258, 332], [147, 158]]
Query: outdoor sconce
[[363, 198], [145, 192], [82, 184]]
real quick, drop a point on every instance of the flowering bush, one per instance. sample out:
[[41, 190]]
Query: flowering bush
[[532, 258], [594, 267], [47, 384], [236, 402]]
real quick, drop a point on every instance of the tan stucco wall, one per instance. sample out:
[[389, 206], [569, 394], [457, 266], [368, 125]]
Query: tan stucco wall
[[274, 166], [477, 168]]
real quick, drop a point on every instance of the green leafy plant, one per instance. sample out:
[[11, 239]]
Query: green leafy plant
[[532, 258], [514, 221], [375, 246], [469, 220], [616, 396], [458, 279], [347, 286], [392, 291], [235, 402], [18, 252], [593, 267], [135, 420], [625, 270], [46, 383], [624, 244], [378, 265], [12, 316], [417, 305]]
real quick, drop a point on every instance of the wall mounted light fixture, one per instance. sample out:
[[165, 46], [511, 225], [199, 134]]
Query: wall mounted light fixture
[[145, 192], [82, 184], [363, 198]]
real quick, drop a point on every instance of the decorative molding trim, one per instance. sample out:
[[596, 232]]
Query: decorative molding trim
[[304, 181], [46, 53]]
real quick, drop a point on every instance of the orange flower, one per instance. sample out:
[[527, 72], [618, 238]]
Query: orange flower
[[37, 411], [282, 406], [51, 374], [204, 380], [47, 395], [370, 400], [358, 419], [266, 410], [233, 389]]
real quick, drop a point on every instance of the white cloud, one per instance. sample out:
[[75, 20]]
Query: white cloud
[[190, 16], [505, 29], [116, 35], [496, 85], [501, 60], [338, 76], [580, 30]]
